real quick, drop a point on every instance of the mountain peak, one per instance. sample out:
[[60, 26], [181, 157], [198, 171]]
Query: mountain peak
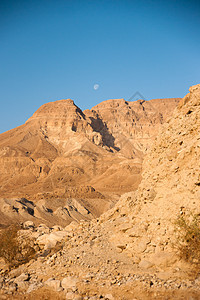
[[56, 109], [61, 149]]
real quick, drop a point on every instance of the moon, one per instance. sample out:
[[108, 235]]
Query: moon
[[96, 86]]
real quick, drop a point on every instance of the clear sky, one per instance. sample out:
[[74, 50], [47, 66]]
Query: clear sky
[[51, 50]]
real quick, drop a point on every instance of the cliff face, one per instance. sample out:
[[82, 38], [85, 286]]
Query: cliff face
[[170, 187], [134, 124], [62, 152]]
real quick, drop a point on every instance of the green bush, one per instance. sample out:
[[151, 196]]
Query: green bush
[[188, 238], [12, 250]]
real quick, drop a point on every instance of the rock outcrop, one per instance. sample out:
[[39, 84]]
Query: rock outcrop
[[92, 156], [130, 126], [170, 186]]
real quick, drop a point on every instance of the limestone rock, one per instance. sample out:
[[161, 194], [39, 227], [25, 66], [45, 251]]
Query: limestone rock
[[163, 259], [54, 284], [169, 186], [69, 283], [62, 152], [145, 264], [50, 240], [28, 224], [73, 296], [109, 297]]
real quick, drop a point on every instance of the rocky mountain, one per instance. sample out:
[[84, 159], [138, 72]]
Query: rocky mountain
[[128, 252], [132, 124], [62, 154], [170, 186]]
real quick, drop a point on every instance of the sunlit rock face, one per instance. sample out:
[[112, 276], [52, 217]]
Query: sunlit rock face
[[95, 155], [170, 188]]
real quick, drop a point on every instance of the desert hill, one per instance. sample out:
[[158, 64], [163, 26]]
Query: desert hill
[[170, 186], [133, 124], [128, 252], [62, 153]]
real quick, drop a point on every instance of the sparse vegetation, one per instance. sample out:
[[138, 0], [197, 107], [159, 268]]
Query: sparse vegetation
[[13, 250], [188, 238]]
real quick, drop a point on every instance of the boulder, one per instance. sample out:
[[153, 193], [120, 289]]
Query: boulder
[[43, 228], [163, 259], [54, 284], [28, 225], [49, 240], [69, 283]]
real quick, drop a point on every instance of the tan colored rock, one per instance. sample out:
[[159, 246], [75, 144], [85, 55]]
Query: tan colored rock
[[109, 297], [163, 259], [169, 187], [140, 245], [69, 283], [54, 284], [73, 296], [28, 224], [145, 264], [49, 240], [43, 228], [62, 152]]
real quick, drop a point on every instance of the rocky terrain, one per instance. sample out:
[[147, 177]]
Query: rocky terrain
[[128, 252], [65, 164]]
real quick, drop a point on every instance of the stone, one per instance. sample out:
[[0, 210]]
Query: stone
[[33, 286], [121, 246], [28, 224], [22, 277], [145, 264], [70, 296], [49, 240], [17, 272], [141, 245], [124, 227], [23, 285], [109, 297], [56, 228], [163, 259], [22, 281], [44, 229], [69, 283], [54, 284], [12, 287], [78, 297]]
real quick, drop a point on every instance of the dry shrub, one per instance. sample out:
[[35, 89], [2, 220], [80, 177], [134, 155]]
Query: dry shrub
[[13, 250], [188, 238]]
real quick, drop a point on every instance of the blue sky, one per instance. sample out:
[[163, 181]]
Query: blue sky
[[53, 50]]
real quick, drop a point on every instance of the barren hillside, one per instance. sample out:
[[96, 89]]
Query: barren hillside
[[61, 154]]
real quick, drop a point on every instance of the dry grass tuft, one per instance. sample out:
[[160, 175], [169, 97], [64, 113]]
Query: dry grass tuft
[[13, 250], [187, 229]]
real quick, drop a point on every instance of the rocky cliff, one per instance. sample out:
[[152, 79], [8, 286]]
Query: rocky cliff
[[64, 153], [170, 188], [133, 124]]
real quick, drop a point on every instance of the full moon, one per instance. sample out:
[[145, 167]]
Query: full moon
[[96, 86]]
